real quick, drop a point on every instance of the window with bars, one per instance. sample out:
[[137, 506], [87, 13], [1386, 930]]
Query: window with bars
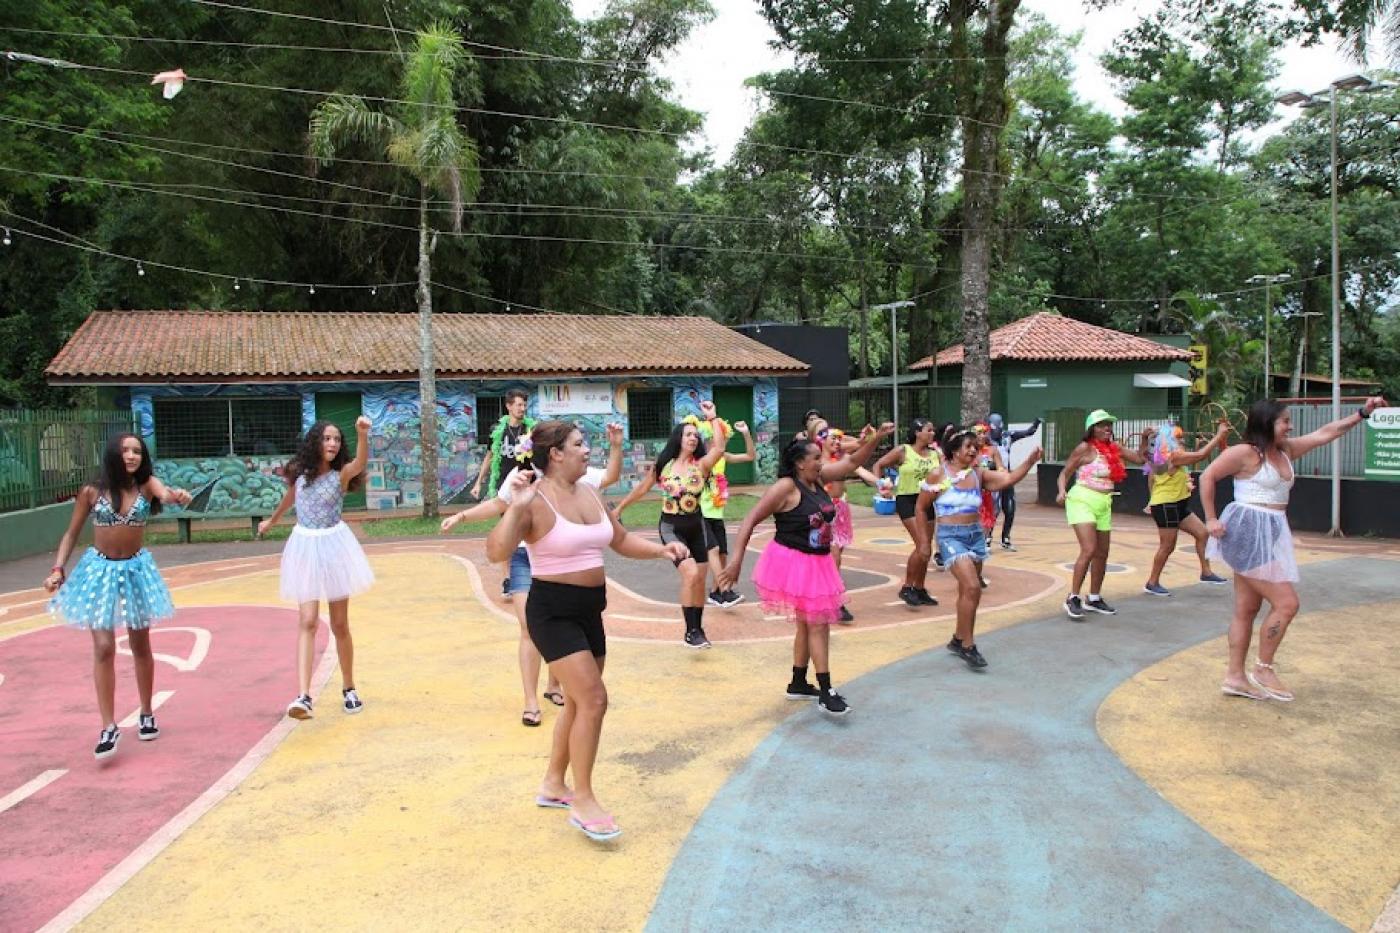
[[489, 410], [221, 427], [649, 414]]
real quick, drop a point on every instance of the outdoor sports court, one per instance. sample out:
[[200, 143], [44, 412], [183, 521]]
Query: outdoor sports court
[[1091, 778]]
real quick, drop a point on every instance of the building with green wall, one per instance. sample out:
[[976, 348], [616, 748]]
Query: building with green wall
[[1047, 362]]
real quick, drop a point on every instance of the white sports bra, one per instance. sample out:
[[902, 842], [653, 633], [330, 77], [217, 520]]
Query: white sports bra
[[1266, 487]]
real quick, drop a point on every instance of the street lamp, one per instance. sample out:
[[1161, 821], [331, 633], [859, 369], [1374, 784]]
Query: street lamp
[[1351, 82], [1267, 281], [893, 307]]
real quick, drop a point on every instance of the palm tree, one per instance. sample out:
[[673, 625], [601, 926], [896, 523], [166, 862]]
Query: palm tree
[[1359, 20], [422, 138]]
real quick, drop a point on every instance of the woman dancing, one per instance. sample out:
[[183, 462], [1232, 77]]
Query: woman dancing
[[1097, 466], [565, 526], [795, 574], [116, 579], [682, 471], [915, 459], [836, 445], [713, 499], [1253, 537], [954, 493], [322, 559], [1169, 472]]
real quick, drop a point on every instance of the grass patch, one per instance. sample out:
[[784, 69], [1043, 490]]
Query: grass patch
[[202, 535]]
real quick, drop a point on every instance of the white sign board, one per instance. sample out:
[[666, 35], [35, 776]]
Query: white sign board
[[574, 398]]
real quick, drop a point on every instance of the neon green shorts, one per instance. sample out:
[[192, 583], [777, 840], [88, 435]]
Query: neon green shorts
[[1084, 506]]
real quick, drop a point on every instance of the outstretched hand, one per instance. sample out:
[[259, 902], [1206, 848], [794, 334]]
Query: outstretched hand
[[1034, 456], [886, 429], [1372, 403], [707, 410], [614, 431], [522, 487]]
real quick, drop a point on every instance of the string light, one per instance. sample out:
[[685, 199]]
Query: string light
[[6, 241], [312, 290], [236, 286], [140, 269]]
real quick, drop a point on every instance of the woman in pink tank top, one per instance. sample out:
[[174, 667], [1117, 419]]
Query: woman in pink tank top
[[565, 527]]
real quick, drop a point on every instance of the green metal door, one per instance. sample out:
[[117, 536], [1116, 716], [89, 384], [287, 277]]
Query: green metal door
[[341, 409], [735, 403]]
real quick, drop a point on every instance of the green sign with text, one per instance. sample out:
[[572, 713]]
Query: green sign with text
[[1383, 444]]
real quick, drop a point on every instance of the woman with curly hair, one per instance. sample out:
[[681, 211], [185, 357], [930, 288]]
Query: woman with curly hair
[[322, 559]]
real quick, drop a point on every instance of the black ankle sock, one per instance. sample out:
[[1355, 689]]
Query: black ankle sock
[[692, 617], [799, 674], [824, 681]]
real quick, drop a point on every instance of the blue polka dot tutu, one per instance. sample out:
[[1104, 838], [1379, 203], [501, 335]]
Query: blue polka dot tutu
[[101, 592]]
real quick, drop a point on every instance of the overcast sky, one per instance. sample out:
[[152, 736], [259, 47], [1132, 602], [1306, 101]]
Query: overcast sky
[[709, 69]]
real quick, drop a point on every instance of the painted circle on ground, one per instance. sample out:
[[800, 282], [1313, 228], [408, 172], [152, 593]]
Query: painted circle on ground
[[1110, 568]]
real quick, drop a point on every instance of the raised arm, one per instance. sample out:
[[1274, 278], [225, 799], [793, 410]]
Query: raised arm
[[636, 547], [518, 520], [288, 497], [847, 465], [927, 493], [155, 489], [1027, 432], [1296, 447], [780, 494], [749, 453], [482, 511], [82, 505], [1137, 456], [1000, 479], [638, 492], [892, 459], [716, 450], [357, 466], [612, 470], [1188, 457]]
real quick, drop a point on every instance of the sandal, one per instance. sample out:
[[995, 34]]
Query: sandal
[[1274, 693], [554, 696], [554, 803], [589, 828], [531, 717], [1230, 690]]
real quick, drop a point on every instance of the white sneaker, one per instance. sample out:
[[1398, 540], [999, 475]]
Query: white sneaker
[[300, 708], [352, 700]]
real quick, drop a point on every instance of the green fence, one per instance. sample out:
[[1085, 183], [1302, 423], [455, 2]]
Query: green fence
[[45, 456]]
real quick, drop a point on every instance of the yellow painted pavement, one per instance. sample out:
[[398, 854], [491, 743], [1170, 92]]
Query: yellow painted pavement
[[1310, 790]]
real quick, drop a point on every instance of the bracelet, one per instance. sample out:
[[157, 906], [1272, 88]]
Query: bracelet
[[1361, 413], [62, 574]]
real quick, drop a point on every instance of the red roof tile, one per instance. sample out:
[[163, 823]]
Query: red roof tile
[[1049, 337], [275, 346]]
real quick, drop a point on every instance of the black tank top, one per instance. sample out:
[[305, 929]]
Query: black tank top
[[807, 526]]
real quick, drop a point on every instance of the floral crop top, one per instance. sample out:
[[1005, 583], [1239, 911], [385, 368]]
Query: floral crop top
[[318, 502], [681, 487], [105, 515], [1095, 475]]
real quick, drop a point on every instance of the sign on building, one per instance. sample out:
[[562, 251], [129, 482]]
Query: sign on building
[[1383, 444], [574, 398], [1200, 360]]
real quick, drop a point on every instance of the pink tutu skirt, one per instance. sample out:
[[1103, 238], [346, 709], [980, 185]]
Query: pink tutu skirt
[[804, 587], [842, 531]]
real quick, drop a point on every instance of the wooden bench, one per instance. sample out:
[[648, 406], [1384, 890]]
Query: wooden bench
[[184, 521]]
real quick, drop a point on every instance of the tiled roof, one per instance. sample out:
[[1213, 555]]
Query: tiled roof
[[274, 346], [1049, 337]]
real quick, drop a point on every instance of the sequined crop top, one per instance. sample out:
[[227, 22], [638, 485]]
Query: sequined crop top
[[955, 500], [105, 515], [1266, 487], [318, 502]]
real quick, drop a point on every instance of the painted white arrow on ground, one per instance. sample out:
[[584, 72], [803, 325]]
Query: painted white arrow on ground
[[25, 791], [202, 638], [156, 701]]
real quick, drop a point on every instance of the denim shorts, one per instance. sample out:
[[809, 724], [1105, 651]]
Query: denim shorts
[[958, 541], [519, 571]]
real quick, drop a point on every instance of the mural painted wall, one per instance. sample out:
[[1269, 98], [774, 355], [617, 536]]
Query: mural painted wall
[[252, 485]]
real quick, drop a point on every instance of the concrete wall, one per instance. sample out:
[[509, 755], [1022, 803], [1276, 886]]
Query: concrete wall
[[36, 531]]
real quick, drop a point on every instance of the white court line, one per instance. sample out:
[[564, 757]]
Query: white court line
[[156, 701], [145, 853], [25, 791]]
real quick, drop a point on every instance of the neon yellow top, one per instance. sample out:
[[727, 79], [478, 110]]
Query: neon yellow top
[[716, 491], [1171, 486], [912, 471]]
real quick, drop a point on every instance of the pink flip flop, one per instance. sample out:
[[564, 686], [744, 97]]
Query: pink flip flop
[[587, 827], [554, 803]]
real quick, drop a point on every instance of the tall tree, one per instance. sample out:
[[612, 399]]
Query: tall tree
[[421, 137]]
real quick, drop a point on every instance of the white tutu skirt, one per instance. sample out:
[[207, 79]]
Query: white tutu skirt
[[1257, 544], [324, 563]]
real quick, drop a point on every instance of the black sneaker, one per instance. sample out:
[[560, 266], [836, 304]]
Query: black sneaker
[[955, 646], [505, 589], [802, 691], [938, 560], [695, 638], [300, 708], [107, 743], [983, 581], [1099, 606], [716, 598], [972, 656], [1008, 546], [731, 599], [148, 730], [1074, 608], [924, 598], [845, 618], [353, 704], [833, 704], [910, 596]]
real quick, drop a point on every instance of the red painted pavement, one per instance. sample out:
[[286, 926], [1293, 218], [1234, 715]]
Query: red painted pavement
[[56, 844]]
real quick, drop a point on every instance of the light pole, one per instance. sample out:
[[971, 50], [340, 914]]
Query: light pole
[[1268, 281], [893, 307], [1353, 82]]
